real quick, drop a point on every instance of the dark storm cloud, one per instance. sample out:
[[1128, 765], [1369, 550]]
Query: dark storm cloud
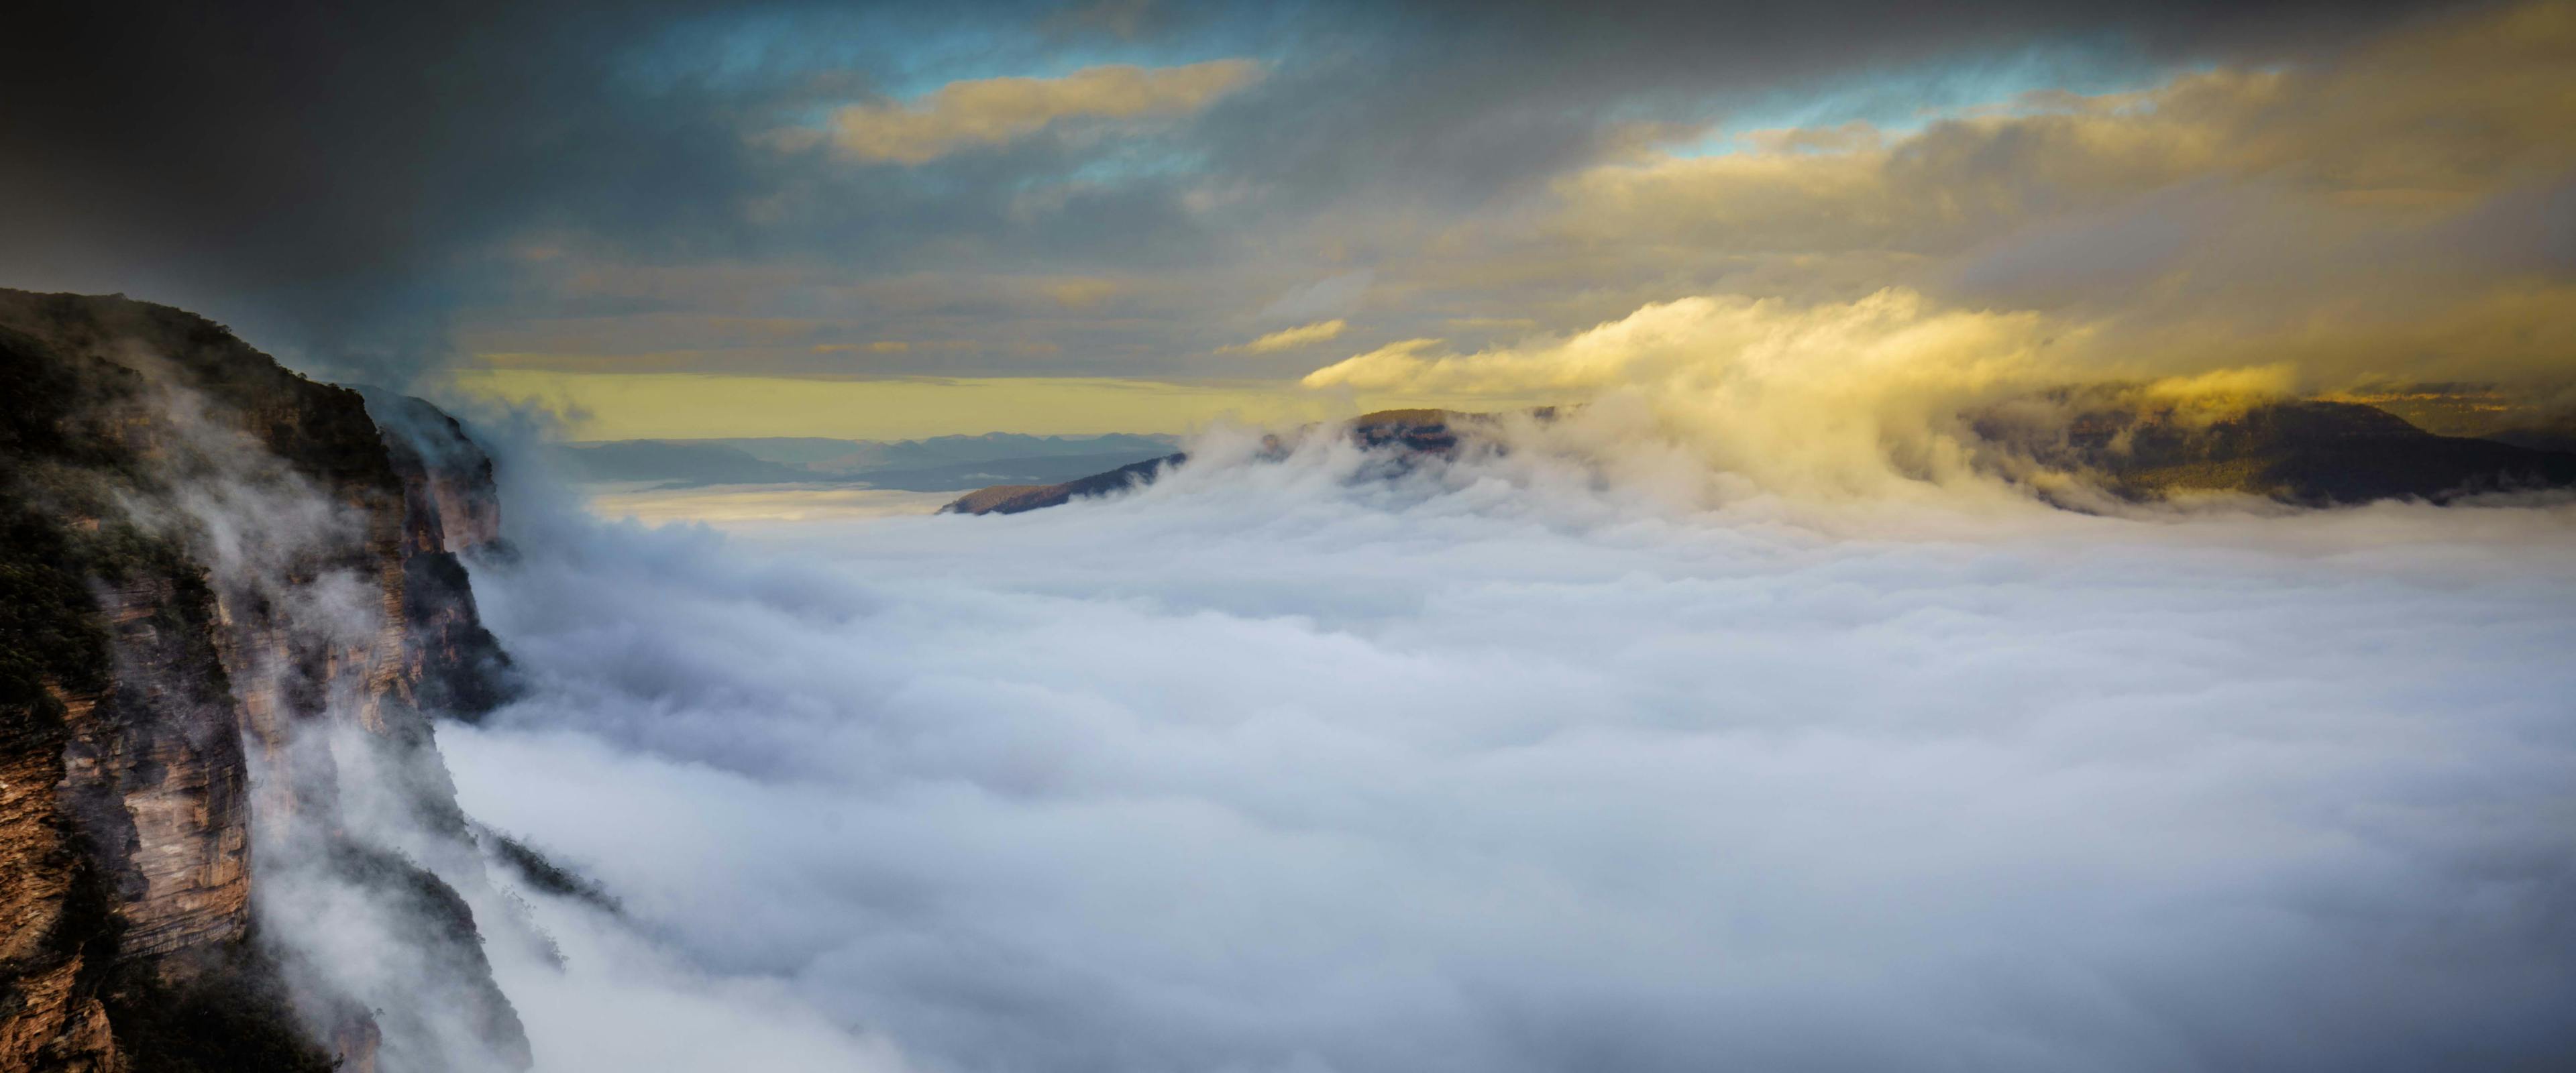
[[338, 179], [318, 171]]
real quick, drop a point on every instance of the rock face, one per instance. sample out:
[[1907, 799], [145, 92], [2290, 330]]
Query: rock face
[[210, 570], [454, 664]]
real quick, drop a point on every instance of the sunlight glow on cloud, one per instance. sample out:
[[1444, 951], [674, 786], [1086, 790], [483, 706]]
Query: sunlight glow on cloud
[[995, 111], [2246, 207], [2331, 224], [1290, 338], [1894, 332], [2393, 204], [1800, 396]]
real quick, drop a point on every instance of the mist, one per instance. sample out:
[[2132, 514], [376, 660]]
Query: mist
[[1524, 762]]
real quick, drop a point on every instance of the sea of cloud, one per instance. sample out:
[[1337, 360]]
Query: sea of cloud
[[1517, 765]]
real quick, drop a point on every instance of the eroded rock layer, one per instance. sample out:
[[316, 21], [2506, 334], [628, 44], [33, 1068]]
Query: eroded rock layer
[[209, 566]]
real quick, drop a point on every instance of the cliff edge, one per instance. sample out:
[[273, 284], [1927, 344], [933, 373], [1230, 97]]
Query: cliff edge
[[219, 581]]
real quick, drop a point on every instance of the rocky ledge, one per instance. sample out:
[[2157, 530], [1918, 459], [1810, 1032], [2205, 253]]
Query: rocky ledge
[[208, 566]]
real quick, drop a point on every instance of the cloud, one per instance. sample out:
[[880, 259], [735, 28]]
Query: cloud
[[1875, 396], [1406, 364], [2329, 206], [1304, 335], [599, 995], [1081, 293], [881, 346], [375, 165], [1861, 395], [1333, 296], [995, 111], [389, 176], [1892, 333], [2434, 116], [1514, 764]]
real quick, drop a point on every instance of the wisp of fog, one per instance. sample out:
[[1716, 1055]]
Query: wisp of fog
[[1315, 764]]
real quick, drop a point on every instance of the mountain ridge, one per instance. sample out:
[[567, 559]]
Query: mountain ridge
[[2308, 452], [935, 464]]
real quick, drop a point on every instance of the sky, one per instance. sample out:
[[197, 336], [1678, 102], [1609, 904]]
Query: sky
[[684, 219]]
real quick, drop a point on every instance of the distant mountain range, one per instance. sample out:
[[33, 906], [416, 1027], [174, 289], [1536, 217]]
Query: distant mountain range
[[2106, 438], [937, 464]]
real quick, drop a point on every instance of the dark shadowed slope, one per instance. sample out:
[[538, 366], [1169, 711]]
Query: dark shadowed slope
[[1015, 498], [2305, 452]]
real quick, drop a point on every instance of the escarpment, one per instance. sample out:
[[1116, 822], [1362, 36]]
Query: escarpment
[[221, 584], [454, 664]]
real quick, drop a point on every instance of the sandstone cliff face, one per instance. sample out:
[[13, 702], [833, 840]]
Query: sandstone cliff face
[[452, 663], [446, 477], [155, 772], [218, 576]]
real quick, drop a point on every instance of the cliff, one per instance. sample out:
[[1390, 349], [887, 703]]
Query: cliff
[[455, 666], [218, 581]]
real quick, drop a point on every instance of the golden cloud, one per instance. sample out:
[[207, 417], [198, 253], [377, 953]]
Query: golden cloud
[[995, 111], [2384, 212], [2381, 211], [1816, 396], [1725, 341], [2429, 119], [1289, 338]]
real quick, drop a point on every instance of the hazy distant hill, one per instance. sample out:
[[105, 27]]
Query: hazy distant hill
[[2315, 453], [1042, 470], [784, 450], [877, 456], [2311, 452], [938, 464], [677, 462], [1014, 498]]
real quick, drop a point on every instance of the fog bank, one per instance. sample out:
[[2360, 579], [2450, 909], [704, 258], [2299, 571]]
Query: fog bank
[[1507, 766]]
